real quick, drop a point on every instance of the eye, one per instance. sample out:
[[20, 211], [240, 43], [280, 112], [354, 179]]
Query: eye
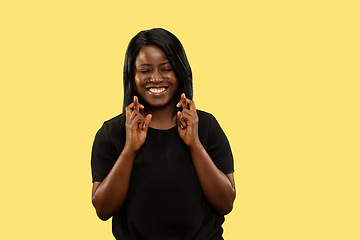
[[143, 71], [167, 70]]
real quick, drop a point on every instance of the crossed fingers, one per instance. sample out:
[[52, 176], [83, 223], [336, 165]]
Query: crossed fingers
[[187, 113], [133, 114]]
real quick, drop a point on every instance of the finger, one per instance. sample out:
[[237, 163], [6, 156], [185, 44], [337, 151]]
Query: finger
[[181, 120], [134, 125], [178, 114], [133, 115], [136, 103], [190, 117], [140, 121], [129, 109], [183, 101], [180, 101], [191, 105], [187, 113], [146, 123]]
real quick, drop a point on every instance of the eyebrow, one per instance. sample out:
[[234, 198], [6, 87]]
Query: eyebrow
[[149, 65], [164, 63]]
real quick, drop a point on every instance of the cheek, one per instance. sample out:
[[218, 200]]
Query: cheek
[[137, 89], [137, 83], [176, 82]]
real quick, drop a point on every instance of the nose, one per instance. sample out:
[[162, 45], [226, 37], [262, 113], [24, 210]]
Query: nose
[[156, 78]]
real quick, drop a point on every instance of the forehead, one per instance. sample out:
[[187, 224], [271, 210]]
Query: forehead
[[150, 54]]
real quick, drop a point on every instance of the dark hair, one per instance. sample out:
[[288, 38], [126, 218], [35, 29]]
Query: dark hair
[[174, 52]]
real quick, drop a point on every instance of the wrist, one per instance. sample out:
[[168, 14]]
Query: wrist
[[195, 146], [129, 151]]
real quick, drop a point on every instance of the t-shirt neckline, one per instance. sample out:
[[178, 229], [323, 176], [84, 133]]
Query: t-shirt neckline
[[169, 129]]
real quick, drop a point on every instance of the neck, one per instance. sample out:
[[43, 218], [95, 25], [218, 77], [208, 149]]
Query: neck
[[162, 117]]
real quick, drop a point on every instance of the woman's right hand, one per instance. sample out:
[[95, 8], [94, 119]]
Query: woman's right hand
[[110, 194], [136, 126]]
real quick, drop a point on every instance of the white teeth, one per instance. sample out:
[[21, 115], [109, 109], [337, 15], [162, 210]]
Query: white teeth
[[157, 90]]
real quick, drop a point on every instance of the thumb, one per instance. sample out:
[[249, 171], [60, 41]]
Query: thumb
[[147, 121]]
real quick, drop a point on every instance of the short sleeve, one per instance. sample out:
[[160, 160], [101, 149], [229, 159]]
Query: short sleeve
[[217, 145], [104, 154]]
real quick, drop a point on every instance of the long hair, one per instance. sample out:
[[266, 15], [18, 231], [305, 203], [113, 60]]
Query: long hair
[[174, 52]]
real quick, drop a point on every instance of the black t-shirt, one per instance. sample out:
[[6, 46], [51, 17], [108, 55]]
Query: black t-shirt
[[164, 200]]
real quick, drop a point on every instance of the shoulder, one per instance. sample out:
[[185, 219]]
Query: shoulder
[[114, 120], [215, 142], [205, 116], [112, 127], [206, 119], [113, 123], [107, 146], [208, 126]]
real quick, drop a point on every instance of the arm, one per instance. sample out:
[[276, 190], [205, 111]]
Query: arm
[[218, 188], [109, 195]]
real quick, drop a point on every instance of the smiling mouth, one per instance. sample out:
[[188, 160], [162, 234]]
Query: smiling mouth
[[157, 90]]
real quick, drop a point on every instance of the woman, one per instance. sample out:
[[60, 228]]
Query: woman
[[161, 169]]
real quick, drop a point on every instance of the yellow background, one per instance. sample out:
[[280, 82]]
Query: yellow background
[[281, 77]]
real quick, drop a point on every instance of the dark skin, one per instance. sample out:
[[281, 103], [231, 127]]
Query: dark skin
[[218, 188], [109, 195]]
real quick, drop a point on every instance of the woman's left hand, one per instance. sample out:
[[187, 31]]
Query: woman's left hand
[[188, 121], [218, 188]]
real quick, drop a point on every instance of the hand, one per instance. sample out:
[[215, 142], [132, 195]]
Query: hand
[[136, 126], [188, 121]]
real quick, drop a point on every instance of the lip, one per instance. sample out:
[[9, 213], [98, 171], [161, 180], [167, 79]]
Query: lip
[[157, 91]]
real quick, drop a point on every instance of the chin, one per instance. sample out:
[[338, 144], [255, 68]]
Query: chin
[[158, 103]]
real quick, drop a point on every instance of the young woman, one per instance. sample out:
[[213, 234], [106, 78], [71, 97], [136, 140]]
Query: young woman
[[162, 169]]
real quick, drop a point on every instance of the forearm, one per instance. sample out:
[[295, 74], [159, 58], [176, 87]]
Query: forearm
[[110, 195], [217, 188]]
